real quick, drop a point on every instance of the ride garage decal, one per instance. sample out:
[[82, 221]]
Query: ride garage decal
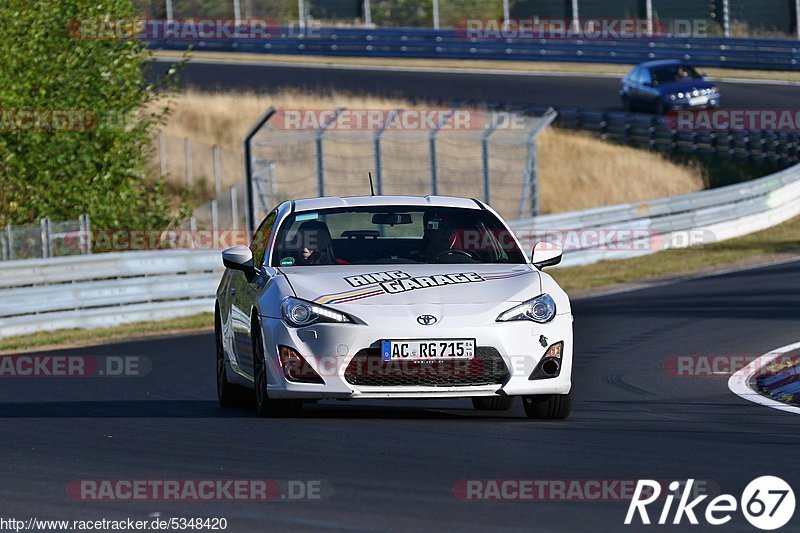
[[396, 281]]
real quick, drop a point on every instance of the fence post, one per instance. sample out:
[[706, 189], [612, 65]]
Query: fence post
[[237, 11], [10, 240], [87, 224], [575, 16], [217, 190], [301, 14], [649, 16], [487, 185], [5, 247], [533, 165], [187, 152], [320, 163], [170, 13], [506, 14], [726, 18], [377, 150], [367, 14], [797, 17], [234, 209], [436, 14], [45, 234], [162, 152], [432, 150]]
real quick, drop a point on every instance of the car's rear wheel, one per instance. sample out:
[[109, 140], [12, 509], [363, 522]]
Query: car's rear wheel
[[228, 394], [493, 403], [265, 407], [548, 406]]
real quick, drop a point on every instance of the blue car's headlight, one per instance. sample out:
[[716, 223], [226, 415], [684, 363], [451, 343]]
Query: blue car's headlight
[[301, 313], [541, 309]]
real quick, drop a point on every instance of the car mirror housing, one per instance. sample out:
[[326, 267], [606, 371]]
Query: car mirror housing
[[546, 254], [238, 258]]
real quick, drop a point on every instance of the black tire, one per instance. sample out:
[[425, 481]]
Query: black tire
[[548, 406], [627, 104], [228, 394], [493, 403], [661, 108], [264, 406]]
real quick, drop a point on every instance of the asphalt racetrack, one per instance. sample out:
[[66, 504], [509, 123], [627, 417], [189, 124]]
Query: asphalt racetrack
[[393, 465], [585, 91]]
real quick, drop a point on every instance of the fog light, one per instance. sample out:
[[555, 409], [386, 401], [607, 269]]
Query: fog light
[[295, 368], [550, 365], [555, 350]]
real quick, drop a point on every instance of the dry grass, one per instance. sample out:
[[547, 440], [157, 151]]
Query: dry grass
[[576, 170]]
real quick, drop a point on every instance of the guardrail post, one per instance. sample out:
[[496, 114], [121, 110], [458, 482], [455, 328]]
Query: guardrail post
[[10, 240]]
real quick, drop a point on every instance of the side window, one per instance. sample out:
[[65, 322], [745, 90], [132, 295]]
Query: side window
[[633, 75], [645, 77], [261, 239]]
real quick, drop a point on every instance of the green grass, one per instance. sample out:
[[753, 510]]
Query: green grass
[[84, 337], [771, 244]]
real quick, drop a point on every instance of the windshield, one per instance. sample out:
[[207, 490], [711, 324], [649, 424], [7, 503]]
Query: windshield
[[673, 73], [394, 235]]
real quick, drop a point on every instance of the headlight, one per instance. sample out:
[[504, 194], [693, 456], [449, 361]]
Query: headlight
[[541, 309], [300, 313], [680, 95]]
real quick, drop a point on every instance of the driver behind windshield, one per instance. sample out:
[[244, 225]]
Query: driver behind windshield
[[442, 239]]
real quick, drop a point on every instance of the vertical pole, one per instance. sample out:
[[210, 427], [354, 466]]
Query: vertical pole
[[81, 235], [301, 14], [234, 210], [436, 14], [237, 11], [506, 14], [217, 191], [576, 23], [193, 229], [5, 247], [726, 18], [649, 16], [162, 152], [487, 185], [88, 225], [170, 13], [433, 164], [378, 163], [797, 17], [534, 170], [187, 150], [10, 240], [320, 167], [367, 14], [45, 238]]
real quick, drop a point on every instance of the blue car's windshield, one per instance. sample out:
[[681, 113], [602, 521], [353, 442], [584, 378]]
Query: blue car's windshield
[[394, 235], [673, 73]]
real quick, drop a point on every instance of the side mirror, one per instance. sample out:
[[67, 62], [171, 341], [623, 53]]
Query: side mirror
[[238, 258], [546, 254]]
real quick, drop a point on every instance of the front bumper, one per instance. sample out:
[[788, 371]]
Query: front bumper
[[330, 349], [713, 102]]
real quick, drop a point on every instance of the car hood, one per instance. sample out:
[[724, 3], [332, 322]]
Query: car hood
[[414, 284], [685, 86]]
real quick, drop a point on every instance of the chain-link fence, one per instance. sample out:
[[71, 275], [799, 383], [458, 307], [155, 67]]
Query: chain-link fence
[[46, 239], [743, 18], [490, 156]]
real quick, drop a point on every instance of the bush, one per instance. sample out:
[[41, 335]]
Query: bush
[[100, 168]]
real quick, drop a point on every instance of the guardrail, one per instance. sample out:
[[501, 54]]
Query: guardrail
[[105, 289], [766, 54], [641, 228], [109, 289]]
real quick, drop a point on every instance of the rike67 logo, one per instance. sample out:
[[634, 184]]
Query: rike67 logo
[[767, 503]]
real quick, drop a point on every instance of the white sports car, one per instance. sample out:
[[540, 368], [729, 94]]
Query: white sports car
[[391, 297]]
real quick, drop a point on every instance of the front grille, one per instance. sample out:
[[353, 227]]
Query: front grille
[[368, 369]]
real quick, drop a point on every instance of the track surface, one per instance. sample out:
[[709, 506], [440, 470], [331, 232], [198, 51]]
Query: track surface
[[539, 90], [392, 465]]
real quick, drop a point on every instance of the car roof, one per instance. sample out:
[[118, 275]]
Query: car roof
[[662, 63], [331, 202]]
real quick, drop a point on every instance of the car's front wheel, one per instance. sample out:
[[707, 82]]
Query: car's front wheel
[[548, 406], [493, 403], [265, 407]]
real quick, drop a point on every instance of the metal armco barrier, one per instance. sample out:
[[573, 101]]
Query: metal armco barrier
[[108, 289], [766, 54]]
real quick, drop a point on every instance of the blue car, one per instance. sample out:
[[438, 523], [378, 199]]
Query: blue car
[[665, 85]]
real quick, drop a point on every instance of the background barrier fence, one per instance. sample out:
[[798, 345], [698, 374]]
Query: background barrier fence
[[108, 289]]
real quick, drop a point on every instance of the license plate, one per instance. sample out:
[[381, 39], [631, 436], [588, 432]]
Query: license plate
[[698, 100], [428, 350]]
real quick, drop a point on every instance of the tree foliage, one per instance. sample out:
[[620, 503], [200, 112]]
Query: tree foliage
[[102, 167]]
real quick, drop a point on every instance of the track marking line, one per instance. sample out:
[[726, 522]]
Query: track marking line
[[739, 382]]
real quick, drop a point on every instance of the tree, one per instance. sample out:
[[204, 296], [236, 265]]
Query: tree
[[90, 149]]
